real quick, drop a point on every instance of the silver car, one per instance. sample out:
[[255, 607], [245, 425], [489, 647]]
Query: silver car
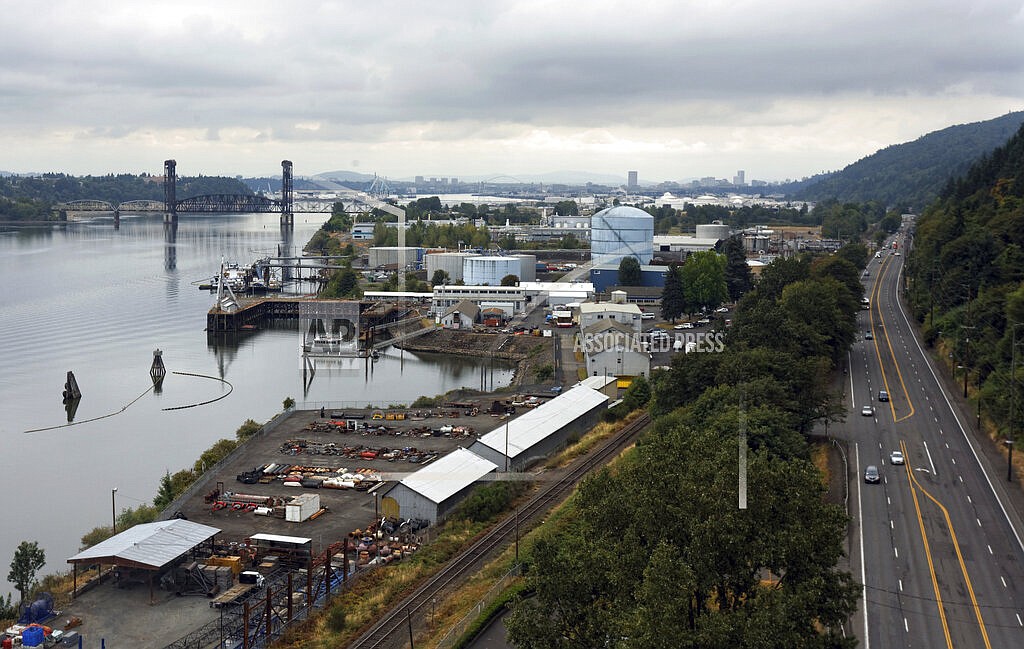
[[871, 475]]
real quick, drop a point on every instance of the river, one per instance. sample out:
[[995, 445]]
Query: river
[[97, 301]]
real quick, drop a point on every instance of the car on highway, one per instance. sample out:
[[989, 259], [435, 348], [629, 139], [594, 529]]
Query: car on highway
[[883, 395], [868, 411], [868, 336], [871, 475], [896, 457]]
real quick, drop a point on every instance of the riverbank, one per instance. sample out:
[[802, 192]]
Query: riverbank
[[529, 353]]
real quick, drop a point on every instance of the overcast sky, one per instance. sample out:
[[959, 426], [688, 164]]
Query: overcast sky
[[674, 89]]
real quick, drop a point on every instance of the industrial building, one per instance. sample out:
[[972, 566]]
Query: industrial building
[[150, 548], [510, 299], [461, 316], [621, 231], [540, 432], [604, 276], [592, 313], [683, 244], [613, 349], [436, 489]]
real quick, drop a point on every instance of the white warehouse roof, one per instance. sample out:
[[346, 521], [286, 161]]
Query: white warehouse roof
[[532, 427], [151, 545], [449, 475]]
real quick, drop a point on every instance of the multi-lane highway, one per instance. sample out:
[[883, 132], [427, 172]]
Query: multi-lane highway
[[940, 555]]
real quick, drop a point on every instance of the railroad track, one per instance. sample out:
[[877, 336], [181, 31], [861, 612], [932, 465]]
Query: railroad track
[[394, 628]]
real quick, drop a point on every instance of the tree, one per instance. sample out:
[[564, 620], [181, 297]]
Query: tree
[[439, 278], [28, 559], [738, 278], [673, 300], [703, 277], [629, 272], [509, 280], [567, 208]]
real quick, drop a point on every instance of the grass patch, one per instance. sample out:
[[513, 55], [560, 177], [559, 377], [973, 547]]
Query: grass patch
[[819, 457]]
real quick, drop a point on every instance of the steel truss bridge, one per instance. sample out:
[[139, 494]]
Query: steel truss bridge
[[286, 206]]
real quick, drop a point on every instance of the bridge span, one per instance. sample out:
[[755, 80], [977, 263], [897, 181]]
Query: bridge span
[[286, 206]]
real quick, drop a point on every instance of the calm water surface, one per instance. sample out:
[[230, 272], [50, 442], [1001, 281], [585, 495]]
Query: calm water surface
[[97, 301]]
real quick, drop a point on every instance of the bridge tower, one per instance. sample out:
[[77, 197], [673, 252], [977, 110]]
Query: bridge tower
[[287, 197], [170, 194]]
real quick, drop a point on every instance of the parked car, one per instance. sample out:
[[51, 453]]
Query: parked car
[[871, 475], [684, 325], [896, 457], [703, 322], [647, 316], [722, 309]]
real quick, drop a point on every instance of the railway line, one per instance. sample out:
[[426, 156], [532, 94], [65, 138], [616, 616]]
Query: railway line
[[394, 629]]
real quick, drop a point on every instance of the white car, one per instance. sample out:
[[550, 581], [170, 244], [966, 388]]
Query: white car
[[684, 325], [868, 411], [896, 457], [646, 316]]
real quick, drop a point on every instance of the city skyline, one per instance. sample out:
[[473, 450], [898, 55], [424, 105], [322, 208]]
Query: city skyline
[[675, 90]]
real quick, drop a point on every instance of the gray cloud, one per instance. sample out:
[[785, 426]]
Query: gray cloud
[[399, 84]]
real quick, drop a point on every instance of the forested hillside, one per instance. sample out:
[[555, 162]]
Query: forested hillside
[[32, 197], [965, 273], [913, 174]]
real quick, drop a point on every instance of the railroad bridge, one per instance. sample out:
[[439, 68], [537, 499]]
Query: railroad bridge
[[286, 206]]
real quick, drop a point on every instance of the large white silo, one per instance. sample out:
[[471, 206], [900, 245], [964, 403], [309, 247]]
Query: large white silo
[[621, 231]]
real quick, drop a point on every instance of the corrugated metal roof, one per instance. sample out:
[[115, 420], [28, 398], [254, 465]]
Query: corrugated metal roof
[[150, 544], [597, 382], [533, 426], [450, 474]]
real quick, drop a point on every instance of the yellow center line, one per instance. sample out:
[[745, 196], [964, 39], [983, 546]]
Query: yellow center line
[[927, 549], [956, 546], [875, 289]]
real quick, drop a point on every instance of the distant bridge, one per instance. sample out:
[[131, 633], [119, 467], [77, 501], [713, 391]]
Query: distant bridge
[[286, 206]]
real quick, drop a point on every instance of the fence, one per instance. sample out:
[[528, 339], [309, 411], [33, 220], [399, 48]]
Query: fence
[[458, 629]]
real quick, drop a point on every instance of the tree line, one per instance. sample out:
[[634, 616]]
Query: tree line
[[965, 271], [655, 550]]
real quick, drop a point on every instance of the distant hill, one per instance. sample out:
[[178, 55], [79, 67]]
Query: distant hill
[[914, 173]]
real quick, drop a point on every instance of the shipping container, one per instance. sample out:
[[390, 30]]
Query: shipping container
[[301, 507]]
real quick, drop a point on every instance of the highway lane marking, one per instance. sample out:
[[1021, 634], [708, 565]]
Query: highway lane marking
[[892, 525], [963, 431], [896, 551], [860, 530], [1019, 620], [901, 584], [956, 547], [969, 500], [990, 550], [979, 521], [876, 288], [953, 460], [961, 479], [930, 463], [1002, 580], [905, 626], [928, 556]]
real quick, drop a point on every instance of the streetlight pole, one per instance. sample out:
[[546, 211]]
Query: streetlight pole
[[113, 510]]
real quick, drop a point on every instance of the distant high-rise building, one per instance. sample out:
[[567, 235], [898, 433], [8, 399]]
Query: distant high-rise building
[[740, 178], [419, 180], [631, 182]]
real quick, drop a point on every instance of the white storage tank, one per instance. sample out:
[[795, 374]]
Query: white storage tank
[[394, 256], [301, 507], [449, 262], [621, 231], [489, 271], [714, 230]]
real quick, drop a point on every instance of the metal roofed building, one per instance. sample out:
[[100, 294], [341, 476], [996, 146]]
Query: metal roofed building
[[435, 490], [150, 546], [539, 432]]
